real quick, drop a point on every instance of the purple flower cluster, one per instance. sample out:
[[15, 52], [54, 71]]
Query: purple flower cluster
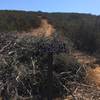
[[52, 47]]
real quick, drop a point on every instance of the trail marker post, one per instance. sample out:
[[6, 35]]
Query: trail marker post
[[50, 49]]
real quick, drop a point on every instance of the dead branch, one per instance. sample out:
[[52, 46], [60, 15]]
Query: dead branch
[[5, 47], [67, 89]]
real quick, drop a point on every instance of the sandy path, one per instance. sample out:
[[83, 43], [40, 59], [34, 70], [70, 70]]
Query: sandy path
[[45, 29]]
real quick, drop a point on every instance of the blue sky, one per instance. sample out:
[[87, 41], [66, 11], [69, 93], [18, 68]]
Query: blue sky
[[80, 6]]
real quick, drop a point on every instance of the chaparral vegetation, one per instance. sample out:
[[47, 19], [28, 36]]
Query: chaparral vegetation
[[64, 65]]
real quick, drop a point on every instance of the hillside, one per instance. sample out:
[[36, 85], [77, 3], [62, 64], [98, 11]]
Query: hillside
[[82, 29], [18, 21]]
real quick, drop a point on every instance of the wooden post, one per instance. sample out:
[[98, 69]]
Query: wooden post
[[50, 76], [49, 49]]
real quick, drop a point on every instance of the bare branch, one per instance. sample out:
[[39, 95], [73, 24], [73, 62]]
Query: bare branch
[[5, 47]]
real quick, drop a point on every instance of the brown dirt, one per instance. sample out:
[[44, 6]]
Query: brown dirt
[[45, 29], [90, 90], [93, 69]]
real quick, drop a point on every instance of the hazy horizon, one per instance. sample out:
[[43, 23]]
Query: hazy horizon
[[86, 6]]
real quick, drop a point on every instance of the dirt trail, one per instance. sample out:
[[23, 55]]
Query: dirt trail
[[84, 58], [45, 29]]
